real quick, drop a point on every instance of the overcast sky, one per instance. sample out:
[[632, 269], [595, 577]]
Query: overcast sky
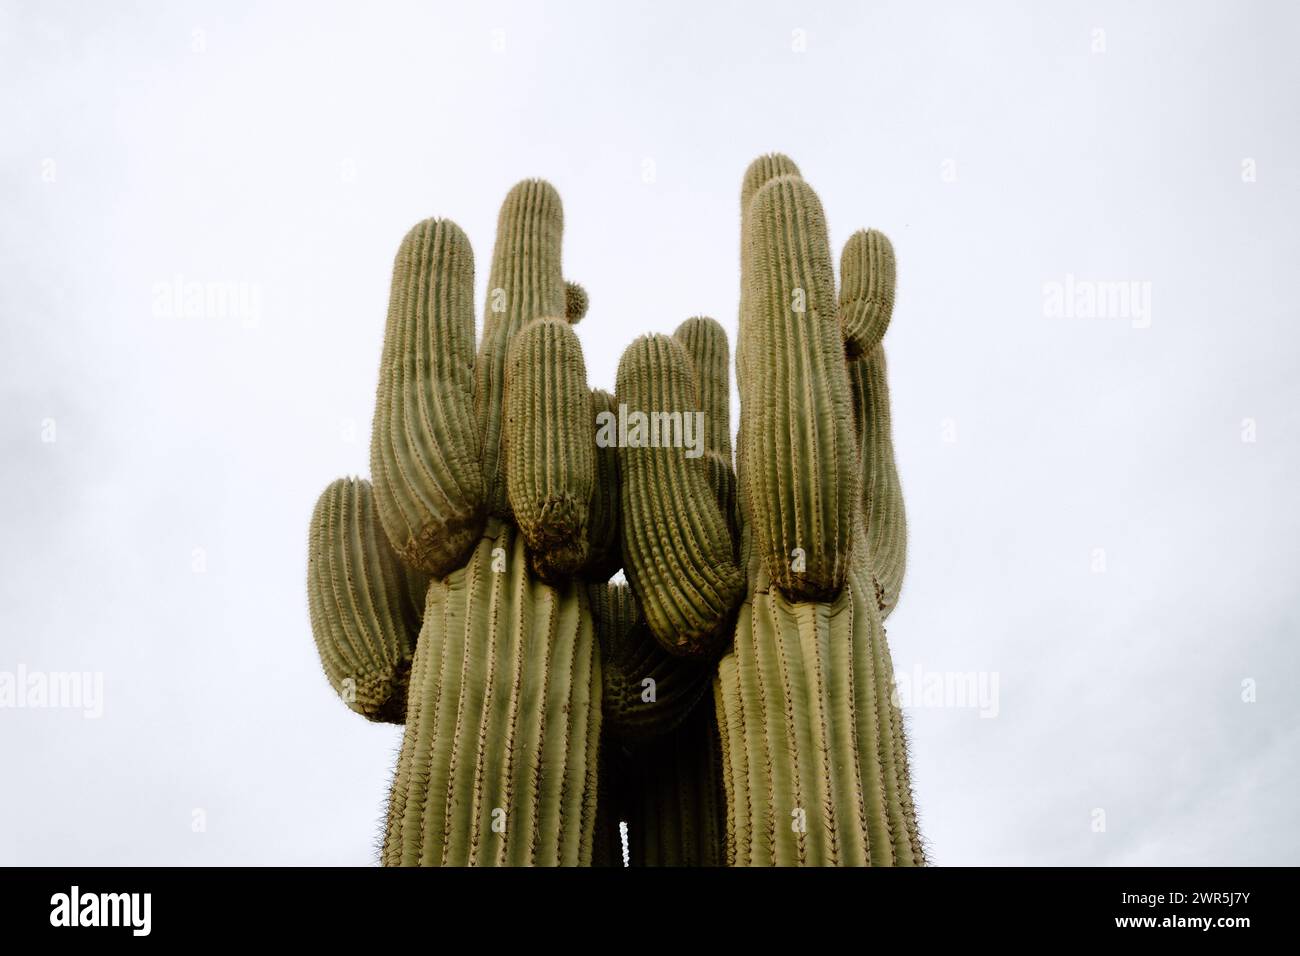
[[1103, 511]]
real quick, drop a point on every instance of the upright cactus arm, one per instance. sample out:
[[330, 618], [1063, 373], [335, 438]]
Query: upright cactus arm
[[867, 274], [425, 446], [550, 448], [677, 549], [800, 453], [526, 282], [706, 344], [363, 615]]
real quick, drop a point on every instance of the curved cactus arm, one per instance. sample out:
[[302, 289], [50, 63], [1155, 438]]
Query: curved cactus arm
[[677, 551], [882, 493], [550, 450], [524, 283], [647, 691], [800, 457], [424, 451], [363, 616], [866, 290], [867, 275]]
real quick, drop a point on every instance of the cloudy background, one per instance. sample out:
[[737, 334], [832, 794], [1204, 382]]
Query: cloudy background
[[1089, 519]]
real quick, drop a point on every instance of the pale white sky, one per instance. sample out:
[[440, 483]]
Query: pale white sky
[[288, 148]]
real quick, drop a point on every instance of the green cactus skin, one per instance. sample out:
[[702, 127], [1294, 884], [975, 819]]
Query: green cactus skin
[[504, 720], [550, 446], [677, 552], [605, 555], [363, 616], [867, 290], [882, 494], [525, 282], [800, 415], [424, 444]]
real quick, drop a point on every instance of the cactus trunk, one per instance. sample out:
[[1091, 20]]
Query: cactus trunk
[[498, 764], [813, 748]]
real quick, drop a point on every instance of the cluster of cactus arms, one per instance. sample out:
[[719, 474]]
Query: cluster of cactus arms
[[732, 702]]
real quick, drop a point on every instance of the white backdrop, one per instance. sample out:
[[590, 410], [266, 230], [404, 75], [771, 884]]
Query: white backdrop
[[1103, 510]]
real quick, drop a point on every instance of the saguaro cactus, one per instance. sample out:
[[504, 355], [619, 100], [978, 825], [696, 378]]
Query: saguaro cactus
[[466, 594], [814, 760], [486, 479]]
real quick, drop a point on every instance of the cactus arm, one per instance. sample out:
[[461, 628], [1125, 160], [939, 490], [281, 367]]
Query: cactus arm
[[867, 276], [363, 617], [800, 461], [677, 551], [866, 290], [550, 449], [706, 344], [882, 494], [424, 444], [524, 283]]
